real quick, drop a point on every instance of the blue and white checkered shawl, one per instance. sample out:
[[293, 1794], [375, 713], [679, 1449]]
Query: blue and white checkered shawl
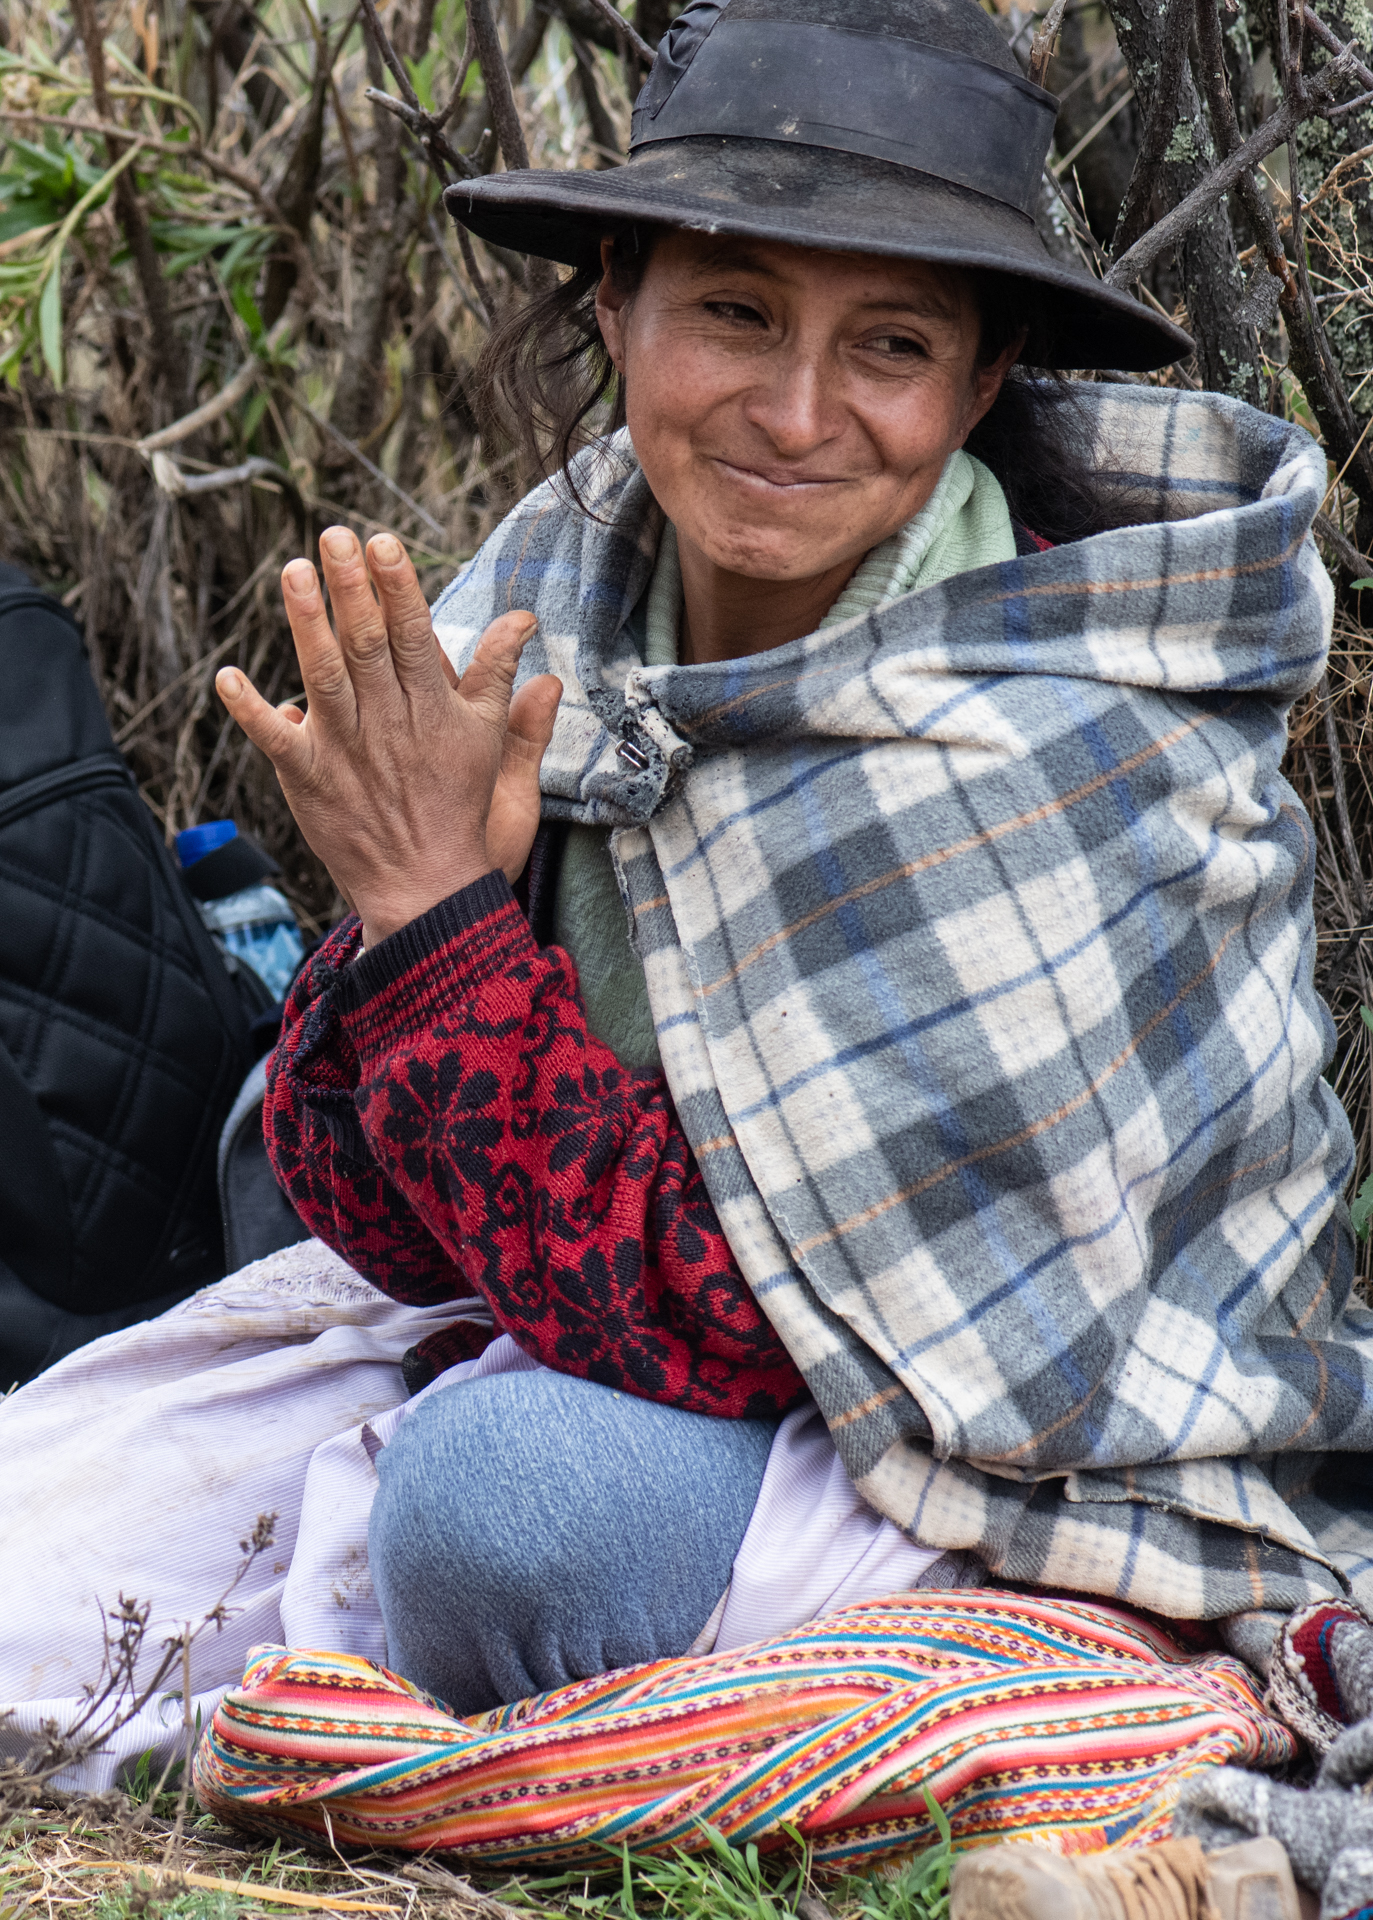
[[979, 941]]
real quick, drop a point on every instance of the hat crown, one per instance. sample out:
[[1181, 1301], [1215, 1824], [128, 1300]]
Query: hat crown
[[958, 26], [898, 80]]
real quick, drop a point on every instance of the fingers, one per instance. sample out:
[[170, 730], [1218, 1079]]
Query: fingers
[[405, 611], [284, 742], [533, 712], [362, 635], [487, 683], [323, 671]]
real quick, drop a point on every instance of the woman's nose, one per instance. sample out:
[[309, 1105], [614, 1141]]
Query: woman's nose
[[794, 401]]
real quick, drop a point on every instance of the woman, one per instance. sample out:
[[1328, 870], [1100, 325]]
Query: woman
[[939, 1182]]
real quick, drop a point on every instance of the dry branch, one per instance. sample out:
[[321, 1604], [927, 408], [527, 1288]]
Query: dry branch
[[628, 37], [231, 393], [500, 96], [1312, 98], [1158, 126], [1042, 46], [171, 360]]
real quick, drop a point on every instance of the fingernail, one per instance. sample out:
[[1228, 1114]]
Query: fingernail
[[386, 549], [299, 576], [337, 542], [230, 683]]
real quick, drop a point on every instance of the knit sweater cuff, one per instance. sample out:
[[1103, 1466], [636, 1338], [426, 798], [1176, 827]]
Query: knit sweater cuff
[[431, 965]]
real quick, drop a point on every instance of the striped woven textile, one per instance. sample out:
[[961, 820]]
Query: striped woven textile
[[1069, 1721]]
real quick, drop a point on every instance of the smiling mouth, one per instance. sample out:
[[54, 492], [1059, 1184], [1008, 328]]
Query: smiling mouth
[[779, 479]]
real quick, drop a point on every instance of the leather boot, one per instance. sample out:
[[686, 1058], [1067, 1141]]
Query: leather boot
[[1173, 1880]]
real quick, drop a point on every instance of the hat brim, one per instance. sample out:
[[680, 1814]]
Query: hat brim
[[816, 197]]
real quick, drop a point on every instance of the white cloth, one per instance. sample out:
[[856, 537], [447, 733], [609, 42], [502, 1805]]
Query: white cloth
[[138, 1464]]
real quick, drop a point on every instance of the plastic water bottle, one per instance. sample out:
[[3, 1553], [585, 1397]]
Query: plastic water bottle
[[247, 917]]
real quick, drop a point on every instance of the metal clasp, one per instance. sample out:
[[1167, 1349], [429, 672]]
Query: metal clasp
[[632, 755]]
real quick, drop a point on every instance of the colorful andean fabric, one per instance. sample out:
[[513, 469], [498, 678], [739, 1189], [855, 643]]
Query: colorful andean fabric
[[1072, 1722], [979, 944]]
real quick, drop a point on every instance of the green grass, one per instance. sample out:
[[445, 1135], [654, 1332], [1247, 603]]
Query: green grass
[[725, 1882], [45, 1869]]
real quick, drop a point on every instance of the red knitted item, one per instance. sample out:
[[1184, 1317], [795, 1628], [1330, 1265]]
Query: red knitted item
[[458, 1129]]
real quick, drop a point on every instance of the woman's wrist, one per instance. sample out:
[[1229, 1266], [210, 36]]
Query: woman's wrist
[[385, 913]]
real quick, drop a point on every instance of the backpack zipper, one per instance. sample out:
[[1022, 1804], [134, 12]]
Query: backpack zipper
[[80, 776]]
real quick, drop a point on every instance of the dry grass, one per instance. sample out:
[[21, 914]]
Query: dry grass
[[99, 1863], [115, 1860]]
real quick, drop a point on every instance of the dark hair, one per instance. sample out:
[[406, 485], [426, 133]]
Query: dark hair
[[547, 383]]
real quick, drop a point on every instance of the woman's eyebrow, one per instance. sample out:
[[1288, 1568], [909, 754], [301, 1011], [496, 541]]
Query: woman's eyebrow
[[733, 259], [737, 259], [928, 308]]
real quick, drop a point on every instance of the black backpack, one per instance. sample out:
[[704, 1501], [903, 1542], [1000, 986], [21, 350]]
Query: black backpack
[[123, 1037]]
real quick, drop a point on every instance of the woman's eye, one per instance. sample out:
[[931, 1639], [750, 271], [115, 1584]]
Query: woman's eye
[[736, 312], [897, 346]]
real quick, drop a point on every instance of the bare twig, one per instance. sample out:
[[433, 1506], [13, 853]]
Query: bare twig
[[523, 51], [1333, 44], [640, 46], [1078, 147], [1354, 873], [602, 127], [426, 130], [1309, 359], [1042, 46], [1160, 120], [172, 481], [200, 667], [1306, 101], [170, 358], [389, 55], [475, 275], [499, 92], [469, 54], [231, 393], [117, 1695], [351, 447], [1357, 565]]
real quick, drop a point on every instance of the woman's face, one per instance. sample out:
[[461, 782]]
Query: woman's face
[[793, 408]]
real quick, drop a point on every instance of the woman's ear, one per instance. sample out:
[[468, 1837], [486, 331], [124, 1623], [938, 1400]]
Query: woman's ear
[[987, 381], [611, 307]]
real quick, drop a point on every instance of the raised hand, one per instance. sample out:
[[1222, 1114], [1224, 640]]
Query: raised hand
[[407, 782]]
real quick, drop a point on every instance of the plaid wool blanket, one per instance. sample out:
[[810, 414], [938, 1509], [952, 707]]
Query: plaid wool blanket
[[979, 942]]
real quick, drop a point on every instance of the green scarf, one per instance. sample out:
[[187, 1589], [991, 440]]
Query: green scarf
[[964, 524]]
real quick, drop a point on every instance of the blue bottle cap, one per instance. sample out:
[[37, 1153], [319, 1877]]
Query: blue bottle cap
[[193, 843]]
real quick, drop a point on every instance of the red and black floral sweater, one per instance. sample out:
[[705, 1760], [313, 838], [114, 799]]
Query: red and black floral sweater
[[438, 1112]]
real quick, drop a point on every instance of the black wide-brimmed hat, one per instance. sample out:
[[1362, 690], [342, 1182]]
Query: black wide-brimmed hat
[[895, 127]]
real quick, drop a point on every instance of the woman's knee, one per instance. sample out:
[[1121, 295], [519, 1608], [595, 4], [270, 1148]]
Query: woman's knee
[[531, 1528]]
